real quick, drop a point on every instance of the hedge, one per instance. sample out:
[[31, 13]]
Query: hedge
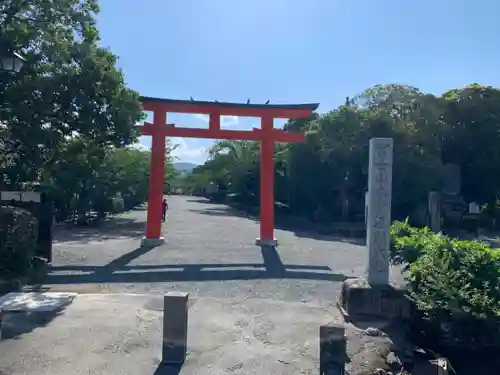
[[18, 241], [454, 284]]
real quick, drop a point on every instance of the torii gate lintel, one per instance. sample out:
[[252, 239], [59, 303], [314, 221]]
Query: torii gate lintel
[[267, 135]]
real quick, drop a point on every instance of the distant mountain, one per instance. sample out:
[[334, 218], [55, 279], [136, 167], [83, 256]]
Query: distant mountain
[[184, 167]]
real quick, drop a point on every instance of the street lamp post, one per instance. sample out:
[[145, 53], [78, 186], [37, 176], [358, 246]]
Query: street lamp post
[[11, 61]]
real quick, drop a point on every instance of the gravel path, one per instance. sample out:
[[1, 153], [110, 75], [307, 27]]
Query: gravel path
[[210, 252]]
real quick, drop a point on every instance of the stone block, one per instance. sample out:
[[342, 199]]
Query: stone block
[[175, 325], [360, 300], [332, 350], [149, 243], [267, 243]]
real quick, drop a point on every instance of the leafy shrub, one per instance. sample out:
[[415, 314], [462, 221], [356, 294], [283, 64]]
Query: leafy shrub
[[408, 243], [454, 284], [18, 241]]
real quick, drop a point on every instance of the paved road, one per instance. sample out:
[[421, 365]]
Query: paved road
[[210, 252]]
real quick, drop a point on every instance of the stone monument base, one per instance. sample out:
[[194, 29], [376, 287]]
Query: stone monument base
[[152, 242], [361, 301], [263, 242]]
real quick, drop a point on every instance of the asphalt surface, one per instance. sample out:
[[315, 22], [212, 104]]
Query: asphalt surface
[[210, 252]]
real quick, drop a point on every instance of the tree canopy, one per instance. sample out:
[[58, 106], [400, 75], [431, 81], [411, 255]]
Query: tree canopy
[[66, 118], [314, 178]]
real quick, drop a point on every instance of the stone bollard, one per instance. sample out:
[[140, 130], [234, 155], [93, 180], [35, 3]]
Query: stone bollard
[[175, 322], [332, 350]]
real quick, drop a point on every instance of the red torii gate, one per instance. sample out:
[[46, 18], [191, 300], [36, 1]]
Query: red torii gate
[[266, 134]]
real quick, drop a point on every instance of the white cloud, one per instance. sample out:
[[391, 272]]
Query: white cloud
[[144, 143], [230, 120], [186, 152], [225, 120], [201, 117]]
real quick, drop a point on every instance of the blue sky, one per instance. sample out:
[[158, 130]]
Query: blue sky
[[296, 51]]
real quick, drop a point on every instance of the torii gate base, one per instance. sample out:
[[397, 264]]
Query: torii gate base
[[266, 134], [152, 242]]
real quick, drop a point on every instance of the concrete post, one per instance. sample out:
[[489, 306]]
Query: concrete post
[[175, 322], [332, 350], [379, 209]]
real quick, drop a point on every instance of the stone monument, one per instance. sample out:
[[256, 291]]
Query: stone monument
[[453, 206], [374, 296], [379, 209], [452, 179], [434, 210]]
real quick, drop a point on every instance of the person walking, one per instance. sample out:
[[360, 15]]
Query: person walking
[[165, 207]]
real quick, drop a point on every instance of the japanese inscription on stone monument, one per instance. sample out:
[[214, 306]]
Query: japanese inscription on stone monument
[[379, 209]]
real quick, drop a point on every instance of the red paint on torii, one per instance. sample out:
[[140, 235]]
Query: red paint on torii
[[267, 135]]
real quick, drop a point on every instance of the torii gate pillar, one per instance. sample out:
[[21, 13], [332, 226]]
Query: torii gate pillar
[[267, 185]]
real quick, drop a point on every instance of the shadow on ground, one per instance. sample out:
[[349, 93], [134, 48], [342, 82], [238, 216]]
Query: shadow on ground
[[19, 318], [300, 228], [199, 200], [168, 369], [17, 324], [118, 271], [112, 228], [224, 211]]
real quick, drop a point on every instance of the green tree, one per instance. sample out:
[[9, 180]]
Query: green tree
[[237, 163], [86, 178], [317, 177], [74, 173], [472, 140], [69, 86], [172, 175], [416, 122]]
